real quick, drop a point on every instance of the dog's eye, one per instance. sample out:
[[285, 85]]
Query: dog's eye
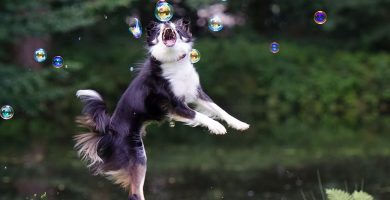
[[151, 28], [186, 22]]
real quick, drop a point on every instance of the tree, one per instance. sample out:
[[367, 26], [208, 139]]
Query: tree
[[28, 25]]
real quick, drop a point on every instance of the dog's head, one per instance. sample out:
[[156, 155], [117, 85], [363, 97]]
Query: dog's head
[[169, 41]]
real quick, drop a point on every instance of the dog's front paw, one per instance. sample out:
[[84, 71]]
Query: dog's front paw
[[237, 124], [216, 128]]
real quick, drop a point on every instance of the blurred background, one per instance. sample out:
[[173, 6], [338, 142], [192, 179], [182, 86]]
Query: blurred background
[[318, 109]]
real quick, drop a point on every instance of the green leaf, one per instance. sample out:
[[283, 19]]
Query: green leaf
[[359, 195], [336, 194]]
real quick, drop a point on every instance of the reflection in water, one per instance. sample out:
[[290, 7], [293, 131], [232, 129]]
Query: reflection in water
[[283, 167], [277, 182]]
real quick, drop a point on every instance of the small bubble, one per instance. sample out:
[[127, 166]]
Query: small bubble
[[274, 47], [163, 11], [79, 38], [194, 56], [5, 167], [105, 17], [251, 193], [61, 187], [215, 24], [172, 180], [135, 27], [7, 112], [58, 62], [171, 124], [320, 17], [40, 55], [131, 69]]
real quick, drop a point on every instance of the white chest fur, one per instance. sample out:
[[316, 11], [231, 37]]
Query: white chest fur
[[183, 78]]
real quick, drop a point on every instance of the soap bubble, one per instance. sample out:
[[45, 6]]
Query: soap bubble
[[194, 56], [171, 124], [135, 27], [163, 11], [58, 62], [320, 17], [274, 47], [40, 55], [7, 112], [131, 69], [215, 24]]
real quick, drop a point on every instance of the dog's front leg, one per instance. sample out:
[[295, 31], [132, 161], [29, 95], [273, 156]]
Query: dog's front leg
[[205, 104], [185, 114]]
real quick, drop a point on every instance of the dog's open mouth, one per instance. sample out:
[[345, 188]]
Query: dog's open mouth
[[169, 37]]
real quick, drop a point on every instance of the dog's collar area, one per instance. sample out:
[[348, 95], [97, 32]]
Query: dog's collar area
[[180, 58]]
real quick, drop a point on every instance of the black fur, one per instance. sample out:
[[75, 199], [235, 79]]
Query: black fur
[[96, 109], [148, 98]]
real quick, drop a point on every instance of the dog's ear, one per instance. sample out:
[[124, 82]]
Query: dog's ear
[[151, 28], [185, 24]]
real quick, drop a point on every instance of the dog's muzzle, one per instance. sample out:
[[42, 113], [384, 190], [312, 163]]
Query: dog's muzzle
[[169, 37]]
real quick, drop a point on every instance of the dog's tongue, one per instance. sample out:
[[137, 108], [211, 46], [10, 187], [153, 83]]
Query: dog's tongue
[[169, 43]]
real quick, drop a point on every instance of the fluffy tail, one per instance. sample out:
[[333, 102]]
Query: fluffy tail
[[96, 120]]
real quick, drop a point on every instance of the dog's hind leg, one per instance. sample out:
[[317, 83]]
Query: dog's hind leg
[[137, 173]]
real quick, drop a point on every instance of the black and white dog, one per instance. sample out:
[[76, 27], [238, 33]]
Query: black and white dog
[[165, 86]]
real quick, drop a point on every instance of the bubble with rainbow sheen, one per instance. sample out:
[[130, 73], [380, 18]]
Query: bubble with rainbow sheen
[[320, 17], [274, 47], [58, 62], [40, 55], [135, 27], [194, 56], [172, 124], [163, 11], [6, 112], [215, 24]]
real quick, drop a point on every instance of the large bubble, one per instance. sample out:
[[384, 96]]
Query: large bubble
[[274, 47], [215, 24], [58, 62], [7, 112], [40, 55], [320, 17], [135, 27], [194, 56], [163, 11]]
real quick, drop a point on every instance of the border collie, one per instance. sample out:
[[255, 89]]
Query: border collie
[[166, 84]]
